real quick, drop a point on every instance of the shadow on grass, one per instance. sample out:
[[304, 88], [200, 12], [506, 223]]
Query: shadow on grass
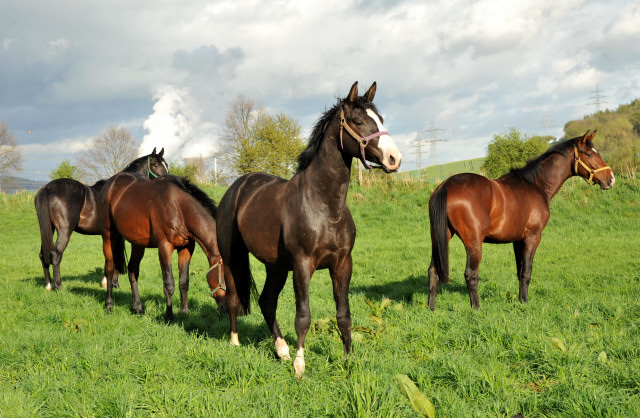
[[203, 319], [404, 290]]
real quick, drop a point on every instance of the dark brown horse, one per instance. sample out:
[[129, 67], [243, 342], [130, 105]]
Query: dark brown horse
[[170, 214], [66, 205], [302, 224], [513, 208]]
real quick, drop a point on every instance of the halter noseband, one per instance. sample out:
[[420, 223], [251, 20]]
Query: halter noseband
[[221, 284], [149, 172], [363, 141], [586, 167]]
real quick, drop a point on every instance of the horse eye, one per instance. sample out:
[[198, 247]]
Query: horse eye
[[589, 154], [357, 122]]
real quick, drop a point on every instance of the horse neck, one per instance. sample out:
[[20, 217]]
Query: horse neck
[[200, 225], [326, 180], [555, 171], [138, 167]]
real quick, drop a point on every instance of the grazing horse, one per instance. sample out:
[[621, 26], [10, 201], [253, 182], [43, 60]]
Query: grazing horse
[[170, 214], [302, 224], [513, 208], [66, 205]]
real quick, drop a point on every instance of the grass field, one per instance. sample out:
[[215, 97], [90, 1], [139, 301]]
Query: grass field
[[573, 350]]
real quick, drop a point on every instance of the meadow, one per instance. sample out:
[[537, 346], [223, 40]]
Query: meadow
[[573, 350]]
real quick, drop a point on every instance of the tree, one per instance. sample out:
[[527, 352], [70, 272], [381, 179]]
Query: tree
[[255, 140], [108, 153], [187, 171], [65, 171], [512, 149], [10, 154]]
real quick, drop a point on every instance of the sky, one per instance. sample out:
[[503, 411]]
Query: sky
[[456, 71]]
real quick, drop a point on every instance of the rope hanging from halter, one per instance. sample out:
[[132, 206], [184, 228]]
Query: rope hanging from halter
[[221, 284], [363, 141], [586, 167], [149, 172]]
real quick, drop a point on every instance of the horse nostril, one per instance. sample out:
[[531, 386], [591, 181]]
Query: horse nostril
[[392, 160]]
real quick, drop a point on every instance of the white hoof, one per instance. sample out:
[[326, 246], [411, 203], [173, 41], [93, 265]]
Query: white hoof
[[298, 362], [234, 341], [104, 282], [282, 349], [48, 287]]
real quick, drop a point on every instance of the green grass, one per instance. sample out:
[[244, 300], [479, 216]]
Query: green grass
[[62, 355]]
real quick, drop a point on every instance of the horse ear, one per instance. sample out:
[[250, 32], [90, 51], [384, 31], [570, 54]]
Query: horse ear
[[161, 153], [371, 92], [154, 151], [353, 93], [591, 135], [584, 138]]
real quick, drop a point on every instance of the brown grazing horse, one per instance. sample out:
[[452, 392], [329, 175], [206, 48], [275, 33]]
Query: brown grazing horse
[[168, 213], [302, 224], [513, 208], [66, 205]]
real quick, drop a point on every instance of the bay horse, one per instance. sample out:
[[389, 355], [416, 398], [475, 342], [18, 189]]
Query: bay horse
[[513, 208], [66, 205], [168, 213], [302, 224]]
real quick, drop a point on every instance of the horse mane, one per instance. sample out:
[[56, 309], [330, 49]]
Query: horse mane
[[320, 128], [131, 167], [533, 167], [199, 194]]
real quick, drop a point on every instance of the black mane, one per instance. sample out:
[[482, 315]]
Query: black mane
[[133, 165], [196, 192], [320, 128], [533, 167]]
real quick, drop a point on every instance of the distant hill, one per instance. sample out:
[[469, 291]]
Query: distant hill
[[438, 173], [10, 184]]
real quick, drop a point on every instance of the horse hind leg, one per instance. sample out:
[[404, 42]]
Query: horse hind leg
[[62, 240], [474, 255], [137, 252], [236, 269], [268, 302]]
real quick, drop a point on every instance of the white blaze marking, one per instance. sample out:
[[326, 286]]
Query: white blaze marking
[[385, 142], [595, 150]]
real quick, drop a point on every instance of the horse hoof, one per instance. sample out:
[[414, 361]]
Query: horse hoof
[[234, 341], [48, 287], [282, 349], [298, 366]]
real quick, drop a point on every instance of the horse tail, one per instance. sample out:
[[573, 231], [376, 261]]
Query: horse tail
[[41, 202], [120, 255], [245, 283], [439, 233]]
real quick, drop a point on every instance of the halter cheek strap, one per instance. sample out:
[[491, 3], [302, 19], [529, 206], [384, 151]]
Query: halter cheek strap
[[591, 171], [363, 141], [221, 284], [149, 172]]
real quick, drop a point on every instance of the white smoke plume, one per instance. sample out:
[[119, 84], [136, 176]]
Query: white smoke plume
[[176, 124]]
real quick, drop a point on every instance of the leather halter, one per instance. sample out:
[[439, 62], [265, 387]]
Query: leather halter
[[221, 284], [363, 141], [586, 167]]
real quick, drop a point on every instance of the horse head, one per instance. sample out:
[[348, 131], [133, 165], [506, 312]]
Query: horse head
[[588, 163], [156, 165], [362, 134]]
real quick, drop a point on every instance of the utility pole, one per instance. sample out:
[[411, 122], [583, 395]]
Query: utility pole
[[432, 141]]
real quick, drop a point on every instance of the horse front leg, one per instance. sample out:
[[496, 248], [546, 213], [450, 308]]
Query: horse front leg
[[301, 276], [341, 278], [269, 304], [528, 250], [434, 280], [184, 258], [164, 254]]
